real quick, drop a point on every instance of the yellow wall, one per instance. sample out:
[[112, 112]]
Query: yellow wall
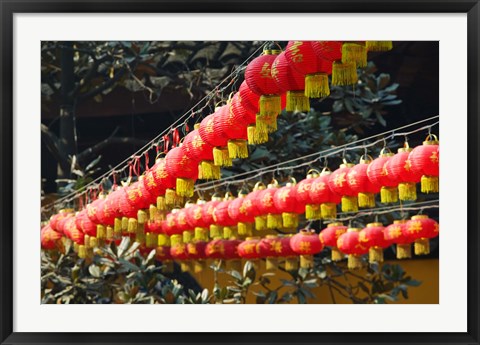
[[425, 270]]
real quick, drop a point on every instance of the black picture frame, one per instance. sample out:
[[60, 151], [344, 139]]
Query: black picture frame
[[9, 8]]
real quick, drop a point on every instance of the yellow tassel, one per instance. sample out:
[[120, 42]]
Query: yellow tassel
[[140, 228], [142, 216], [209, 170], [422, 246], [316, 85], [306, 261], [201, 234], [229, 232], [291, 263], [117, 225], [366, 200], [161, 203], [93, 243], [313, 211], [379, 46], [152, 212], [404, 251], [266, 124], [256, 137], [260, 223], [407, 191], [170, 198], [337, 255], [184, 186], [290, 220], [271, 264], [245, 229], [109, 234], [388, 194], [270, 105], [429, 184], [132, 225], [86, 241], [101, 232], [215, 231], [375, 254], [349, 204], [297, 102], [175, 240], [237, 148], [75, 247], [356, 53], [328, 210], [82, 252], [221, 157], [187, 236], [163, 240], [198, 266], [274, 221], [354, 262], [344, 73], [184, 266]]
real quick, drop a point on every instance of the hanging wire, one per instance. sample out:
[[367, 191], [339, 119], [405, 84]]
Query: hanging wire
[[318, 155], [180, 122]]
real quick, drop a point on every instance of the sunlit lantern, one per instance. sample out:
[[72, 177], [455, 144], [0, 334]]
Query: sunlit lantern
[[338, 183], [349, 243], [306, 243], [285, 201], [239, 210], [359, 183], [210, 133], [270, 248], [312, 210], [246, 106], [323, 197], [197, 149], [183, 169], [397, 234], [266, 205], [343, 73], [378, 175], [421, 229], [373, 237], [424, 160], [329, 237], [235, 129]]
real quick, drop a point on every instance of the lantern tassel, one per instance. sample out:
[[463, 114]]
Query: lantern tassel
[[101, 232], [221, 157], [124, 225], [215, 231], [184, 186], [404, 251], [291, 263], [82, 252], [297, 102], [171, 197], [230, 232], [198, 266], [270, 105], [354, 262], [161, 204], [422, 246], [274, 221], [152, 212], [142, 216], [337, 255], [256, 137], [356, 53], [388, 195], [271, 264], [379, 46], [237, 148], [366, 200], [344, 73], [349, 203], [429, 184], [109, 234], [266, 124], [209, 170], [375, 254], [316, 85], [407, 191], [260, 223], [328, 210], [306, 261], [290, 220], [245, 229], [185, 266], [201, 234], [313, 211]]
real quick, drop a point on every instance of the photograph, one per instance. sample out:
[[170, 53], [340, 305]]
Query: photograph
[[240, 172]]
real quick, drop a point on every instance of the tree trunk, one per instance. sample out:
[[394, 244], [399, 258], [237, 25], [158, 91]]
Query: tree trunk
[[67, 134]]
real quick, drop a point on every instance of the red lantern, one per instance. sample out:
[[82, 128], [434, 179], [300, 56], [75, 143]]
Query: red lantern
[[260, 80], [195, 219], [285, 201], [165, 183], [374, 238], [197, 149], [397, 233], [85, 224], [378, 175], [61, 223], [184, 169], [286, 251], [424, 160], [249, 249], [55, 219], [170, 225], [270, 248], [207, 216], [246, 106], [301, 56], [329, 237], [238, 212], [72, 232], [196, 252], [338, 183], [420, 229], [223, 219], [359, 183], [349, 243], [92, 210], [178, 251], [306, 243], [266, 206], [214, 249], [210, 133], [251, 207], [230, 253], [343, 73], [50, 239], [235, 129], [399, 169], [292, 82], [312, 211], [323, 197]]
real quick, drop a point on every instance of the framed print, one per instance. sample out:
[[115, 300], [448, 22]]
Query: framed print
[[239, 172]]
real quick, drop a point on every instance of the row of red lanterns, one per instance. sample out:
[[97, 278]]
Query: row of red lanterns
[[342, 240]]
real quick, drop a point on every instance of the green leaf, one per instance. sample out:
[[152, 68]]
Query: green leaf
[[272, 297], [235, 274], [412, 282], [94, 271], [129, 265], [93, 163]]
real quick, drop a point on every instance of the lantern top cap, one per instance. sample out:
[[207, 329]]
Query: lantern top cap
[[374, 224], [353, 229], [271, 236], [399, 221], [307, 232], [313, 173], [66, 210], [334, 224], [346, 165], [431, 139], [420, 216], [250, 238]]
